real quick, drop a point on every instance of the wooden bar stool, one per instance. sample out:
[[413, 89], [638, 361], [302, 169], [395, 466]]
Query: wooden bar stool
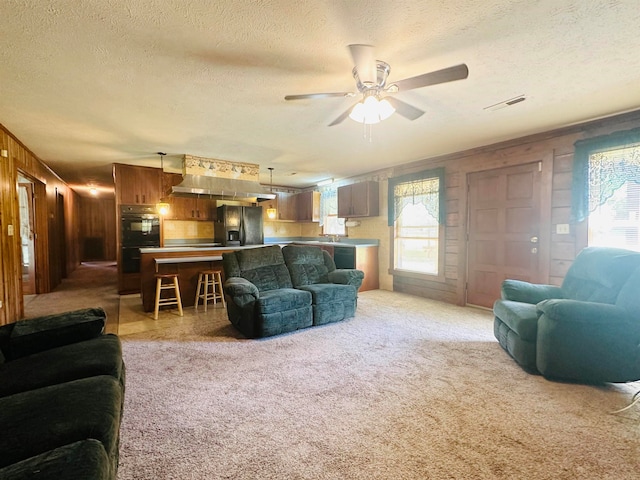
[[211, 280], [160, 285]]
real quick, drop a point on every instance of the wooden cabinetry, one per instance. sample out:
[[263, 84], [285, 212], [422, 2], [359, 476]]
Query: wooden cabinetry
[[286, 207], [190, 207], [308, 206], [358, 200], [294, 207], [137, 185]]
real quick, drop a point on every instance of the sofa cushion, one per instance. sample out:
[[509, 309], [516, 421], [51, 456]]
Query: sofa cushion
[[98, 356], [329, 292], [81, 460], [264, 267], [520, 317], [37, 421], [598, 274], [51, 331], [306, 265], [283, 299]]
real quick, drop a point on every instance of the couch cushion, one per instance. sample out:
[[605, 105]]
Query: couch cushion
[[306, 265], [329, 292], [283, 299], [520, 317], [99, 356], [39, 420], [598, 274], [264, 267], [86, 459], [56, 330]]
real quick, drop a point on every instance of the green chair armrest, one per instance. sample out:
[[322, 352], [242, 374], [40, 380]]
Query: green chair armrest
[[238, 286], [519, 291], [37, 334], [584, 313], [347, 276]]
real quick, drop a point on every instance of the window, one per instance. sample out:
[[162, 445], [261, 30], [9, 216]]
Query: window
[[416, 214], [331, 224], [614, 198]]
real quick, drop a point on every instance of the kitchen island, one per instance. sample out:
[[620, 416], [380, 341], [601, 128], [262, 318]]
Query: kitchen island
[[187, 262]]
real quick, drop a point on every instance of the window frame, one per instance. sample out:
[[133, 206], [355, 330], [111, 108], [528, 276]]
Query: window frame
[[422, 175]]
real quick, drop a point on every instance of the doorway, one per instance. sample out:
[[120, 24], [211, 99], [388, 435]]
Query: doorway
[[504, 208], [26, 203]]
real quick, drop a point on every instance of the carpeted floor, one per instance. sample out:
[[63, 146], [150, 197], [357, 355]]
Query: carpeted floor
[[92, 284], [408, 389]]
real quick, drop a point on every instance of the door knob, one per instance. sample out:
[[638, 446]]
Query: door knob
[[534, 239]]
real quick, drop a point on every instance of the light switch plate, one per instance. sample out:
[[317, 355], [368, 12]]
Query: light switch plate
[[562, 229]]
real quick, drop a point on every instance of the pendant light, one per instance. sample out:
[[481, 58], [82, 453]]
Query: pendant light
[[162, 207], [271, 211]]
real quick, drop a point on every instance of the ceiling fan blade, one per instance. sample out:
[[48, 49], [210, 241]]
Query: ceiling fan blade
[[404, 109], [319, 95], [364, 61], [459, 72], [342, 117]]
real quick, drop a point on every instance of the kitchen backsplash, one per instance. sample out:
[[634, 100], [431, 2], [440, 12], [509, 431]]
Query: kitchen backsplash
[[187, 230]]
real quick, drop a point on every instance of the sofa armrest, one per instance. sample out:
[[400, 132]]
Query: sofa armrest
[[236, 286], [37, 334], [584, 313], [519, 291], [347, 276], [587, 341]]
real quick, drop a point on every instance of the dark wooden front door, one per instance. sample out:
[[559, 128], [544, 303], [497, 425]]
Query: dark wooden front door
[[503, 228]]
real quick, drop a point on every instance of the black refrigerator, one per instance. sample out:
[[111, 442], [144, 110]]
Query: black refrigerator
[[236, 225]]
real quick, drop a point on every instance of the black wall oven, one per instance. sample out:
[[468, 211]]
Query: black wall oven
[[139, 228]]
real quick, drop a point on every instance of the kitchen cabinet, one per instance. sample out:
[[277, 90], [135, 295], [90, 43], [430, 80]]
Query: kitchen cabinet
[[286, 206], [192, 207], [308, 208], [137, 185], [358, 200]]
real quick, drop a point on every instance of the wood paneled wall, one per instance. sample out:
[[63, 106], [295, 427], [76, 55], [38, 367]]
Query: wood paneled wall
[[555, 150], [56, 214], [97, 228]]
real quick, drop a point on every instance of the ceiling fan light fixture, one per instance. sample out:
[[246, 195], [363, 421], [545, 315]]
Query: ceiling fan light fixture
[[385, 110], [371, 110]]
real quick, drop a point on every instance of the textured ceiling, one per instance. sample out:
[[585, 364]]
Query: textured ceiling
[[85, 84]]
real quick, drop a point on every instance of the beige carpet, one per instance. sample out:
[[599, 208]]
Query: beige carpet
[[408, 389], [92, 284]]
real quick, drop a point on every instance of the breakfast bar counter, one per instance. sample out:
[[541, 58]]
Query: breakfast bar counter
[[187, 262]]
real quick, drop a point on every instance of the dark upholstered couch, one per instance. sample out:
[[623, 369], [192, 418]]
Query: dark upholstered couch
[[586, 330], [269, 293], [61, 397]]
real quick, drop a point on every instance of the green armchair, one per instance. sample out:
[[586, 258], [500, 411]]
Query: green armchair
[[586, 330]]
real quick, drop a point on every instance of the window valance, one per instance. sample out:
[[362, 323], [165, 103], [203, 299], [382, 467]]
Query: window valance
[[425, 188], [595, 181]]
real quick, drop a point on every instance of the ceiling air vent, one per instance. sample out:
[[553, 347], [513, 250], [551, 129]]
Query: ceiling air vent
[[506, 103]]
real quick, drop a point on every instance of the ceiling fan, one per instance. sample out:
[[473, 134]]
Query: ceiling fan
[[371, 81]]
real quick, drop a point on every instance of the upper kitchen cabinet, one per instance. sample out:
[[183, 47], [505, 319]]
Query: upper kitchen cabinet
[[358, 200], [308, 206], [192, 207], [137, 185], [286, 207]]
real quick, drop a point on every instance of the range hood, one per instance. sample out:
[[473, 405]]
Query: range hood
[[220, 178]]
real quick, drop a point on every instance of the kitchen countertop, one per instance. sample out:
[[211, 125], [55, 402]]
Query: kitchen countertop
[[270, 241]]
